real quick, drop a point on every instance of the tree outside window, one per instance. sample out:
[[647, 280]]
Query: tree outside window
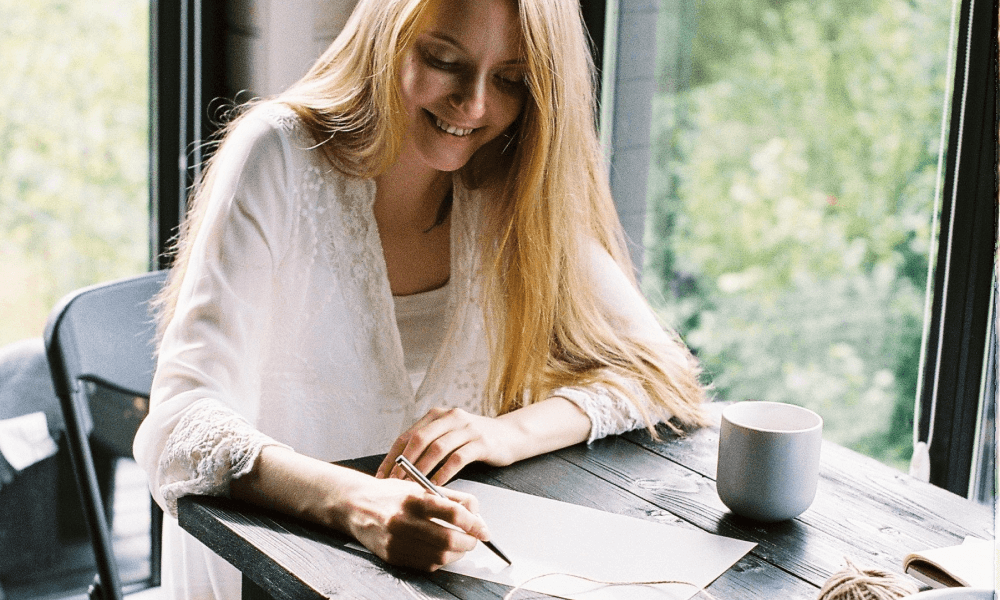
[[74, 149], [792, 189]]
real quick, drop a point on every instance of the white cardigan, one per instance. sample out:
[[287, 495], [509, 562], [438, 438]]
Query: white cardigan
[[284, 333]]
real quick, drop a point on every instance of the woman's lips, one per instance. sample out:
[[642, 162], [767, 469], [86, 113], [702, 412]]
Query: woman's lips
[[448, 127]]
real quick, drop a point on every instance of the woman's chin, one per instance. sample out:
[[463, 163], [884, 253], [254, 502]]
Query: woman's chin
[[448, 162]]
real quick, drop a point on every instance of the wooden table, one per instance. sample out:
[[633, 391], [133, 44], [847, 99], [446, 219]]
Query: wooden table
[[864, 510]]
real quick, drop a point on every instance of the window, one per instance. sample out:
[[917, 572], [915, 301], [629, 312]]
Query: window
[[798, 163], [73, 187]]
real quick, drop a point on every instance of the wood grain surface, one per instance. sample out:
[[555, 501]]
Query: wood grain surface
[[864, 511]]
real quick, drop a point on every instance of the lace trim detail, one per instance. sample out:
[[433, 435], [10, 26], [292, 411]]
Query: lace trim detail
[[354, 250], [283, 116], [209, 447], [610, 413]]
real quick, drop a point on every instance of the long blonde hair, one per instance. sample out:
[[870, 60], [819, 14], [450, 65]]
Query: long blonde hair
[[550, 195]]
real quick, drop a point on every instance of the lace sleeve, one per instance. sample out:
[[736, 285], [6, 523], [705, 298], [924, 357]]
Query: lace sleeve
[[609, 411], [210, 446]]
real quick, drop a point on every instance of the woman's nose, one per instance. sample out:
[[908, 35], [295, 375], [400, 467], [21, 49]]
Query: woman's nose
[[470, 97]]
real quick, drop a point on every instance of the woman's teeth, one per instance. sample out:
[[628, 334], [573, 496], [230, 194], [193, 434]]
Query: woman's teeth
[[451, 128]]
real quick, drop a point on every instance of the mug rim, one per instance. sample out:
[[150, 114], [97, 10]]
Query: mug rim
[[733, 414]]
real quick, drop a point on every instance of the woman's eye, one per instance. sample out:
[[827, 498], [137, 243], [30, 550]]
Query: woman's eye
[[512, 79], [438, 62], [511, 82]]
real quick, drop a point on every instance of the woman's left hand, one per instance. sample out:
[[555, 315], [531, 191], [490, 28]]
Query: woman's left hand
[[451, 438]]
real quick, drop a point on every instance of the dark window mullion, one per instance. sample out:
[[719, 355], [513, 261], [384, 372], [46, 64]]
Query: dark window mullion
[[594, 14], [187, 76], [165, 118], [962, 280], [629, 63]]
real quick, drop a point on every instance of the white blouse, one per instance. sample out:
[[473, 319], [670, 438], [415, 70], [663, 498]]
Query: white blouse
[[285, 333], [421, 320]]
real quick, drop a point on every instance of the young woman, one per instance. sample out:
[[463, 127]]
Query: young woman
[[413, 250]]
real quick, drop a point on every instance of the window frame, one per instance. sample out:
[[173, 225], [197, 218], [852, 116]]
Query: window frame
[[953, 369], [187, 78]]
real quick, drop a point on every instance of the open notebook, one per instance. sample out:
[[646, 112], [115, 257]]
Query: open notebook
[[969, 564]]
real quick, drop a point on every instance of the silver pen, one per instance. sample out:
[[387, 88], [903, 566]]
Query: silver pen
[[419, 477]]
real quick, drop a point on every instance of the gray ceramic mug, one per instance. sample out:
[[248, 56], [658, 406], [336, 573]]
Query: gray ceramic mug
[[768, 459]]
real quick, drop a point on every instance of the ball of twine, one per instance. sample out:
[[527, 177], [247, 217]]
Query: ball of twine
[[852, 583]]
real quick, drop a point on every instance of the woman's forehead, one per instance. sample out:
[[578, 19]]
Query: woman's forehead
[[478, 26]]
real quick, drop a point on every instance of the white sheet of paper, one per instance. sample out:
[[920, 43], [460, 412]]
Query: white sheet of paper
[[540, 536], [25, 440], [544, 536]]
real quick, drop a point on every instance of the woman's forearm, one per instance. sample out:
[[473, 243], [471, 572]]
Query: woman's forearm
[[298, 485], [545, 426], [393, 519]]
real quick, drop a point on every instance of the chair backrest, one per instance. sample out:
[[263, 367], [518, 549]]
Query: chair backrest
[[103, 334]]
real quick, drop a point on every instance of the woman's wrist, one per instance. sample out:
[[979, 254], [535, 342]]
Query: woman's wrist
[[546, 426], [300, 486]]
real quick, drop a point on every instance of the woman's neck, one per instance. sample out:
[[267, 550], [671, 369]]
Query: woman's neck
[[408, 199], [409, 195]]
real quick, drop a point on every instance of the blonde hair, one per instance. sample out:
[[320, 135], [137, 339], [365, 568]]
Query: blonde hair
[[348, 100], [549, 196]]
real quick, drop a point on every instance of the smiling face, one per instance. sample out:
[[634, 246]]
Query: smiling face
[[462, 81]]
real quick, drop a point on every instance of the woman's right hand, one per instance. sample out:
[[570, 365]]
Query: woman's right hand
[[393, 519]]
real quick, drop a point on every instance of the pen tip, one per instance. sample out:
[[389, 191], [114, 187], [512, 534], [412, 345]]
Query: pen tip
[[497, 551]]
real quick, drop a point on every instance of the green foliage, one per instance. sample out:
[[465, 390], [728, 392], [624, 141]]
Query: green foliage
[[74, 150], [791, 198]]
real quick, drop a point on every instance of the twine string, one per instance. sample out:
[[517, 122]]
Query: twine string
[[520, 586], [852, 583]]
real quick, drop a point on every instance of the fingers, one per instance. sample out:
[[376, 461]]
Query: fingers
[[448, 440], [431, 532], [388, 467], [470, 502], [425, 544], [456, 461], [432, 441], [459, 446], [389, 462], [455, 511], [405, 525]]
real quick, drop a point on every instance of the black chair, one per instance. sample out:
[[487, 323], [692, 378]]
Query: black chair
[[99, 342]]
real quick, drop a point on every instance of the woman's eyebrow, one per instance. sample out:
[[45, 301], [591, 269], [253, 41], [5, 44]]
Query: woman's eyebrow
[[444, 37]]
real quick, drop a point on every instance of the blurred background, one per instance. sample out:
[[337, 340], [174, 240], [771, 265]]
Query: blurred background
[[792, 200], [74, 145]]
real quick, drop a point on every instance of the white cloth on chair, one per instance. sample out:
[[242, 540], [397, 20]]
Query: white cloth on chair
[[25, 440]]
